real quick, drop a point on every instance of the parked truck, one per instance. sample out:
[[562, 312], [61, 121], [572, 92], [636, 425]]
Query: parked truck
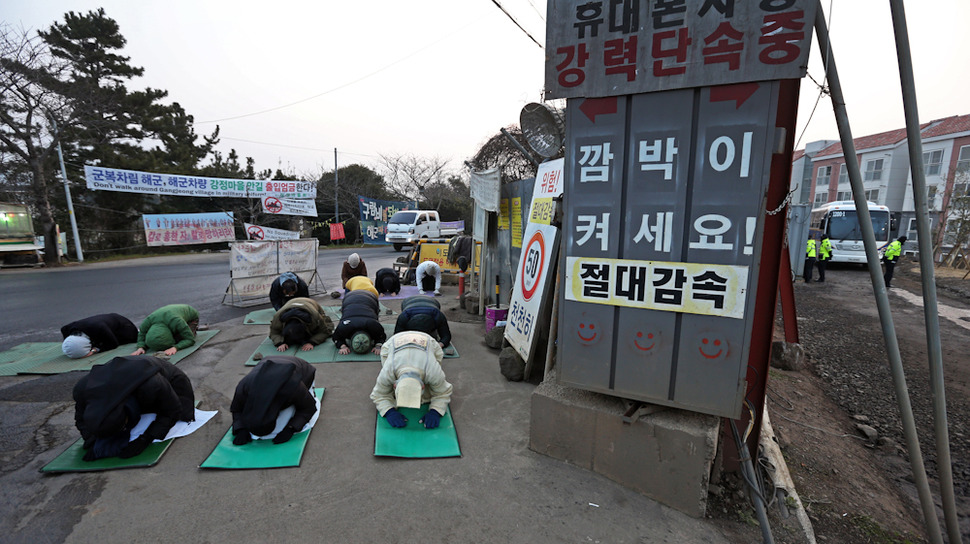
[[408, 226], [17, 244]]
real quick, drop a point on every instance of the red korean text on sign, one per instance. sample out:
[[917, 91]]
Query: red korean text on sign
[[573, 76], [724, 45]]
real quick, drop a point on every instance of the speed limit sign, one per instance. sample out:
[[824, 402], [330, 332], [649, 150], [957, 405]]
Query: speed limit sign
[[532, 265]]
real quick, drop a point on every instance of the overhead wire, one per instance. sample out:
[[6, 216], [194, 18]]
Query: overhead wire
[[509, 15], [822, 87]]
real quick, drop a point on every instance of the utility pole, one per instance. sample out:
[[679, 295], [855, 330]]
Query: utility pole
[[336, 201], [70, 205]]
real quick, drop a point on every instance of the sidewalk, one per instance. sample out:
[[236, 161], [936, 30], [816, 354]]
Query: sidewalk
[[498, 492]]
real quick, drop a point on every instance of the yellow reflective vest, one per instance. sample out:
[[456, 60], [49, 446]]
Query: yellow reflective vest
[[893, 251], [810, 249], [825, 249]]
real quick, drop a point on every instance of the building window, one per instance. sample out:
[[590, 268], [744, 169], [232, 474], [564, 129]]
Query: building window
[[822, 176], [843, 174], [873, 170], [961, 188], [932, 162], [963, 163], [821, 198], [843, 195], [872, 195]]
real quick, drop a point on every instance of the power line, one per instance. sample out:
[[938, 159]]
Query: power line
[[517, 23], [534, 8]]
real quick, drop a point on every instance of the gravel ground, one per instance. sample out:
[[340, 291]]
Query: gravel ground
[[858, 487]]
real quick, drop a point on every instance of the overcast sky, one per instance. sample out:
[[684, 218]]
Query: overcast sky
[[288, 82]]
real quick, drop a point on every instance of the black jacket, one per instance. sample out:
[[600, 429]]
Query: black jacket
[[106, 331], [277, 382], [421, 313], [387, 274], [157, 386], [278, 299], [359, 312]]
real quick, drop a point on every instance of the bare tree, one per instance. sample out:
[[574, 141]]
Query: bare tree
[[408, 176], [499, 152], [955, 224], [30, 109]]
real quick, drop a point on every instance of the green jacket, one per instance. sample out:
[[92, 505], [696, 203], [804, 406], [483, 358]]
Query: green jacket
[[825, 249], [894, 250], [168, 327], [810, 249]]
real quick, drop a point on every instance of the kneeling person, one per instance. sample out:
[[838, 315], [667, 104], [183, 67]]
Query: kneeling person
[[97, 333], [286, 288], [300, 322], [169, 329], [278, 382], [420, 313], [359, 330], [110, 399], [411, 374]]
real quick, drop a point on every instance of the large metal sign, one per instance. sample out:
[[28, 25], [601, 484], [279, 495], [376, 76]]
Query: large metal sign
[[664, 207], [617, 47]]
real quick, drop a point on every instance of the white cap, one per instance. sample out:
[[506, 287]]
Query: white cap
[[353, 260], [407, 390], [76, 346]]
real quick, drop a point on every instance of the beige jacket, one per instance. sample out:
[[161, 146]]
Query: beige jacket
[[415, 351]]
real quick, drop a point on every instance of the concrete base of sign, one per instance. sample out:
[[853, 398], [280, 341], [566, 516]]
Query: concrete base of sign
[[667, 455]]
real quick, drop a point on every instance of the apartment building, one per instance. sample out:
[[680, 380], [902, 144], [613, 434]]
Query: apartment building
[[819, 172]]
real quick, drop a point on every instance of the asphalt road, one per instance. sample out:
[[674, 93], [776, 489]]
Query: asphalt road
[[36, 303]]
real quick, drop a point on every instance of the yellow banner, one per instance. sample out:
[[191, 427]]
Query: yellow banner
[[438, 252], [516, 222], [693, 288], [542, 211], [503, 214]]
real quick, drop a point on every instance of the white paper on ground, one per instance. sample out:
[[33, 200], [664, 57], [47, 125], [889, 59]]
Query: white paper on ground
[[286, 414], [180, 429]]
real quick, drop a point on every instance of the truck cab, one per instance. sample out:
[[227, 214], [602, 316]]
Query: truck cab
[[408, 226]]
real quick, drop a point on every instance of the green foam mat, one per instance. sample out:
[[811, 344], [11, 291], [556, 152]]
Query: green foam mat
[[259, 453], [327, 352], [265, 316], [413, 441], [17, 352], [47, 357], [72, 460]]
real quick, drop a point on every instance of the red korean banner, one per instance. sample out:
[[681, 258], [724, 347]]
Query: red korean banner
[[337, 231]]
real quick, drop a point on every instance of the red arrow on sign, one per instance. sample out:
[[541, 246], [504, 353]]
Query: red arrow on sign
[[592, 107], [739, 93]]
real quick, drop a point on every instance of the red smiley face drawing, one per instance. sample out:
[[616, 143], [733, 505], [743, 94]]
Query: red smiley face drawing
[[645, 342], [587, 333], [712, 347]]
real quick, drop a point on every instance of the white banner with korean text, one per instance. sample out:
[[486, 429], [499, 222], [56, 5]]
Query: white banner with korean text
[[693, 288], [180, 229], [289, 206], [132, 181], [253, 258]]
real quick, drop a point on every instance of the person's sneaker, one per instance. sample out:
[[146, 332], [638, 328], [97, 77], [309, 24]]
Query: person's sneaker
[[437, 292]]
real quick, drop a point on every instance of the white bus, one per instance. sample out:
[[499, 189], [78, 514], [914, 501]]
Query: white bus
[[841, 222]]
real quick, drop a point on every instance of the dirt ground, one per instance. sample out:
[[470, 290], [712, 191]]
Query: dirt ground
[[854, 488]]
